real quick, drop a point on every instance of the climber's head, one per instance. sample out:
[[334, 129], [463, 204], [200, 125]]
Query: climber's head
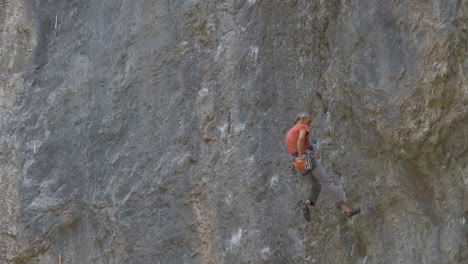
[[303, 118]]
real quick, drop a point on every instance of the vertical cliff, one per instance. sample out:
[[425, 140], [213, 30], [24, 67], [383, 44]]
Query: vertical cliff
[[153, 131]]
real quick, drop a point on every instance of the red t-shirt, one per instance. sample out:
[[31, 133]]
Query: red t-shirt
[[293, 136]]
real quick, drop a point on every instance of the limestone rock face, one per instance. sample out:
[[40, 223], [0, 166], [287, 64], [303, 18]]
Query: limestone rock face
[[153, 131]]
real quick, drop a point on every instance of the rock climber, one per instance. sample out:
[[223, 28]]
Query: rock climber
[[298, 145]]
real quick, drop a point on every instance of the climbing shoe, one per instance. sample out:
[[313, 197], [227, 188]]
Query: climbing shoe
[[353, 213], [306, 213]]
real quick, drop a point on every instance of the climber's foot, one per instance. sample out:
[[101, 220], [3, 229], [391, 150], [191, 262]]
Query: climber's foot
[[352, 213]]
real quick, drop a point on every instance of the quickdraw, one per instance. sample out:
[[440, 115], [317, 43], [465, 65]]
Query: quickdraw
[[56, 27], [34, 149]]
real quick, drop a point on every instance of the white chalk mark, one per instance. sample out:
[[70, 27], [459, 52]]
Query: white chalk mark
[[364, 260], [254, 52], [219, 50], [229, 199], [265, 253], [222, 129], [274, 181], [251, 160], [238, 127], [235, 128], [252, 2], [203, 92], [235, 239]]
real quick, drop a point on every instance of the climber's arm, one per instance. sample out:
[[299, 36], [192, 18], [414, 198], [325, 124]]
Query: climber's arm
[[301, 142]]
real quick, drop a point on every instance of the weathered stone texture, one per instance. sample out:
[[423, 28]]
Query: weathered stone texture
[[159, 130]]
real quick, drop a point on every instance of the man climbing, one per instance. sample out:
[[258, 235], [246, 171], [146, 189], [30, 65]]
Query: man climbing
[[298, 144]]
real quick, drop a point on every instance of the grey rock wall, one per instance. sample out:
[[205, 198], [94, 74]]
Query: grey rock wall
[[153, 131]]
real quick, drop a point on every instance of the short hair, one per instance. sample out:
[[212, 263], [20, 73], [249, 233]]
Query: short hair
[[301, 115]]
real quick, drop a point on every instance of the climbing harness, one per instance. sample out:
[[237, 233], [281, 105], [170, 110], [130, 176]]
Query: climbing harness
[[304, 163], [300, 164]]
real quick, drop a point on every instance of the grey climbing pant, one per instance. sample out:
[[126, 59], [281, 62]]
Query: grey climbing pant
[[318, 177]]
